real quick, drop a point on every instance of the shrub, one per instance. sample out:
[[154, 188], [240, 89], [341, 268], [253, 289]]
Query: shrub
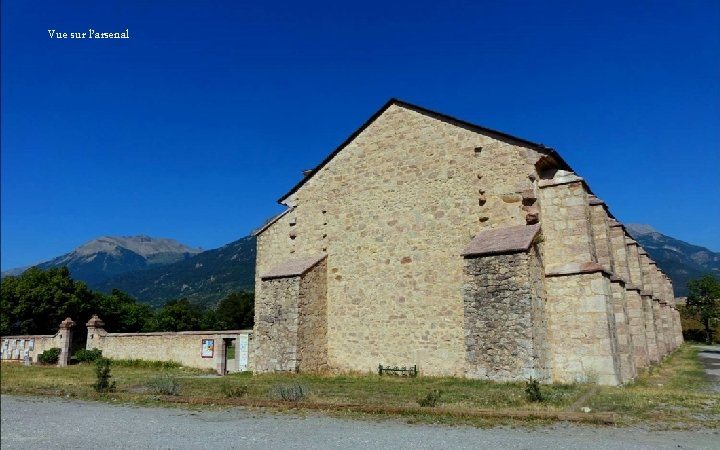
[[290, 392], [102, 372], [87, 355], [532, 391], [145, 364], [49, 356], [431, 399], [165, 384], [231, 391]]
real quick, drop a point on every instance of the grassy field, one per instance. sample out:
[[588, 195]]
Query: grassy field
[[674, 395]]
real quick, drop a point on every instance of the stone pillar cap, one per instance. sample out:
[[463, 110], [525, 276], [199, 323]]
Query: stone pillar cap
[[95, 321], [67, 323]]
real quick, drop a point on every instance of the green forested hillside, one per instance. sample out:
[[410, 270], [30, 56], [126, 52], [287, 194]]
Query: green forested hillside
[[204, 278], [678, 259]]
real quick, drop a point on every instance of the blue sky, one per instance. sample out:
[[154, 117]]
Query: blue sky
[[197, 124]]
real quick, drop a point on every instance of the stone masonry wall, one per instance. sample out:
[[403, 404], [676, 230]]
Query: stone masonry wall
[[503, 316], [393, 210], [276, 325], [312, 320], [578, 323], [183, 347], [13, 347], [581, 318]]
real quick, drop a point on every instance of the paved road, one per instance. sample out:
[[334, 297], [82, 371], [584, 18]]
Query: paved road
[[48, 423], [710, 357]]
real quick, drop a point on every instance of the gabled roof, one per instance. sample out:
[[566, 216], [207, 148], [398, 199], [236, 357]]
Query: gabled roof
[[499, 135]]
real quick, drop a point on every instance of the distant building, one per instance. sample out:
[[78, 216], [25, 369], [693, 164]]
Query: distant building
[[426, 240]]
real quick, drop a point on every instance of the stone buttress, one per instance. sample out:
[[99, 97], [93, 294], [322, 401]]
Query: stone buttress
[[606, 258], [504, 306], [291, 331], [581, 316]]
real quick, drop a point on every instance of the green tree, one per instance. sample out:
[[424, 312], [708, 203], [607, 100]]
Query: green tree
[[178, 315], [38, 300], [703, 302], [236, 311], [122, 313]]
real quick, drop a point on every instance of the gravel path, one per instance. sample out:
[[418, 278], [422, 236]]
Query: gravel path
[[710, 357], [45, 423]]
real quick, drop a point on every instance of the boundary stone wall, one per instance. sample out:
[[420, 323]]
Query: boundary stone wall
[[15, 347], [184, 347]]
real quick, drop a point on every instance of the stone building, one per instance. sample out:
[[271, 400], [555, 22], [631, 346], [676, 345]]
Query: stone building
[[426, 240]]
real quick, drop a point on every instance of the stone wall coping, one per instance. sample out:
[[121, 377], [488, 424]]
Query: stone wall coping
[[560, 181], [29, 336], [293, 267], [575, 269], [502, 240], [181, 333]]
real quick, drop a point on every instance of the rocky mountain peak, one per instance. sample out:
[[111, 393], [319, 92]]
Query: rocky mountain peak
[[640, 229]]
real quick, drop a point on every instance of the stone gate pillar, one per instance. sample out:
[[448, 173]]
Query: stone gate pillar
[[65, 337], [94, 332]]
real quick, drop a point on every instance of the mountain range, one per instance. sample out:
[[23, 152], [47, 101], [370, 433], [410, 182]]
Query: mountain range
[[107, 256], [155, 270], [204, 278], [678, 259]]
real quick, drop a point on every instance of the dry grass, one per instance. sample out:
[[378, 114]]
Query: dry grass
[[682, 400], [675, 394]]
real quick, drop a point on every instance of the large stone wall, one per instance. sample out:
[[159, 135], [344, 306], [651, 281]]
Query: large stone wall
[[392, 210], [504, 319]]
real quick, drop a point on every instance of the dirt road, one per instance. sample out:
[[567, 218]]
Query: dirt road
[[49, 423]]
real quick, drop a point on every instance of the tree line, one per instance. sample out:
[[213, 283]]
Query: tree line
[[38, 300]]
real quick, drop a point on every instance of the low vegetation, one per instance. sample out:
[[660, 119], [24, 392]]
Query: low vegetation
[[289, 392], [165, 384], [533, 393], [49, 356], [676, 394], [431, 399], [84, 355], [103, 384]]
